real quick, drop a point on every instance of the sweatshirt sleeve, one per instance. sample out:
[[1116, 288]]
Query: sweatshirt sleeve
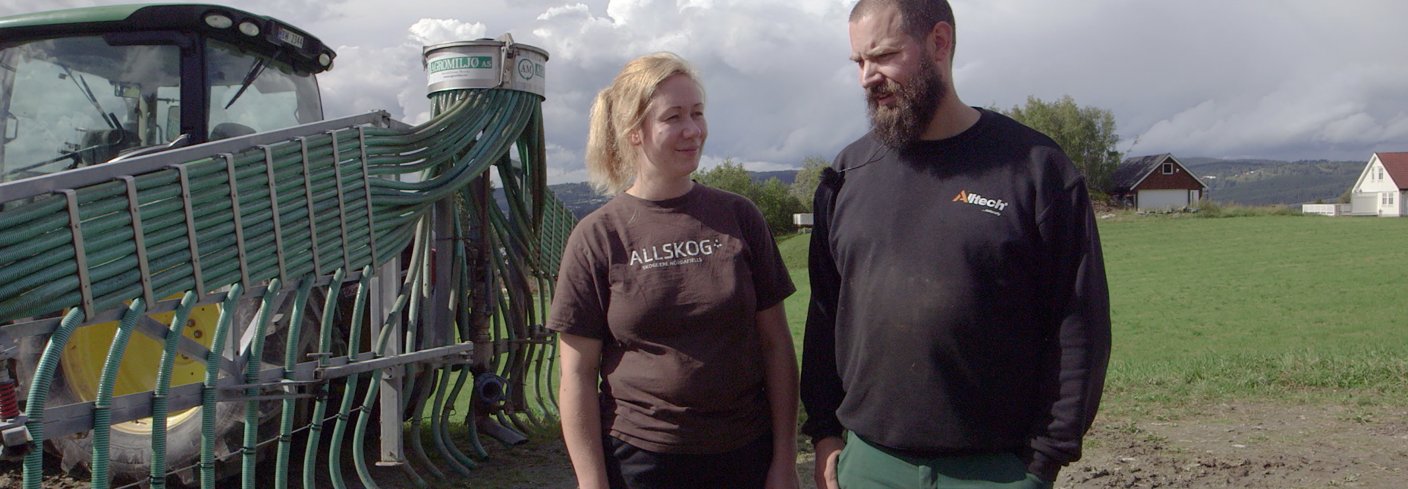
[[821, 383], [1080, 340], [583, 292]]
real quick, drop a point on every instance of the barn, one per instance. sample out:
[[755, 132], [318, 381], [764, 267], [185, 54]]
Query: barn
[[1156, 183]]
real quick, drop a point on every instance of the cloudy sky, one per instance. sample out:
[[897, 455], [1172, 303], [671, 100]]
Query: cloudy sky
[[1283, 79]]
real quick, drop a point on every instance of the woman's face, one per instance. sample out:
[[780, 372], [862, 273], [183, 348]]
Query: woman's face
[[671, 136]]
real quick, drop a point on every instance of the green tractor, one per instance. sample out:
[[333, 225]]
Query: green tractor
[[84, 87]]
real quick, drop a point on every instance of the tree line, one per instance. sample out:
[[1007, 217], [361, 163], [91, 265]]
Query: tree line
[[1086, 134], [777, 201]]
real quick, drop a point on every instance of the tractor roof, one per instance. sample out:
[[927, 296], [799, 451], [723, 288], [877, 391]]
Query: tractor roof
[[271, 37]]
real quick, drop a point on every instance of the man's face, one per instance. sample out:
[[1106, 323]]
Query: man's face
[[902, 85]]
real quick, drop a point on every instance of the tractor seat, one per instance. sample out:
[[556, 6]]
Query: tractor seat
[[226, 130]]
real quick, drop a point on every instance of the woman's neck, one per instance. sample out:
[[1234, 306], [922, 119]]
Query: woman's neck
[[660, 189]]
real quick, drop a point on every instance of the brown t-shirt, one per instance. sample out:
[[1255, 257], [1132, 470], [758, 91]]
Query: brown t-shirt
[[672, 288]]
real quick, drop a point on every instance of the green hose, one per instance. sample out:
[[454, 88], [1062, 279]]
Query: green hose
[[212, 376], [249, 451], [349, 390], [421, 382], [315, 425], [39, 396], [102, 417], [457, 460], [444, 405], [416, 380], [359, 458], [295, 328], [163, 386], [408, 292]]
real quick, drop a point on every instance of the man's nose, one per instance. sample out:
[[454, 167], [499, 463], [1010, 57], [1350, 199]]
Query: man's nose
[[869, 75]]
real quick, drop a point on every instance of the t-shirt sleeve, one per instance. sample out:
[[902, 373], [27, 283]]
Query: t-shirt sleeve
[[583, 288], [771, 282]]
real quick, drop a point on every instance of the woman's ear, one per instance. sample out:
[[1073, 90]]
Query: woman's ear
[[634, 137]]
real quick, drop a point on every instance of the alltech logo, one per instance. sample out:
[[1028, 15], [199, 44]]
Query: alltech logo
[[991, 206]]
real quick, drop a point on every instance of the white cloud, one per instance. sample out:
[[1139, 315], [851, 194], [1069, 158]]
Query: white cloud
[[1293, 79], [429, 32], [370, 78]]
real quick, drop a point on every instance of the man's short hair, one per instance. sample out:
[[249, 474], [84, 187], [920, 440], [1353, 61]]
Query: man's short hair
[[920, 16]]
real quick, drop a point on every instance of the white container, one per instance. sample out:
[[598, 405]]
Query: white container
[[486, 63]]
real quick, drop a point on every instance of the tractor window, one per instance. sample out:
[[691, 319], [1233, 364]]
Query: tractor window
[[74, 102], [250, 93]]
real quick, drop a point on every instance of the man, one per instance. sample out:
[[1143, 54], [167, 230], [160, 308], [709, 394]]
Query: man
[[959, 322]]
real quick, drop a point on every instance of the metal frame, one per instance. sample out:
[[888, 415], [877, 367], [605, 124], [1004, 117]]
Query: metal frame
[[82, 177], [78, 417]]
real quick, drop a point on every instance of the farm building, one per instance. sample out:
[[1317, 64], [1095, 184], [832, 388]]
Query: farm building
[[1382, 187], [1156, 183]]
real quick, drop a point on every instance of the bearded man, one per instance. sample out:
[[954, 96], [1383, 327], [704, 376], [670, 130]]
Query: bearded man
[[959, 325]]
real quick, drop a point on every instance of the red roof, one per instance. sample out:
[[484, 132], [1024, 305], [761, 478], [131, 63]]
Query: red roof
[[1397, 166]]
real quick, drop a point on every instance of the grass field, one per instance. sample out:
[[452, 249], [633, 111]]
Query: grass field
[[1282, 335], [1268, 307]]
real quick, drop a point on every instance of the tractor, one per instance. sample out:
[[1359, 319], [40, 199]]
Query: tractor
[[217, 98]]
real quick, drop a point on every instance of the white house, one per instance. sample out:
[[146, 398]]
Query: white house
[[1382, 188]]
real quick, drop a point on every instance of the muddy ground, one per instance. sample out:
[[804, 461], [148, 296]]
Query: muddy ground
[[1240, 444]]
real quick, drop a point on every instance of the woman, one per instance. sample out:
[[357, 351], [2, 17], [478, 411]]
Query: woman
[[670, 296]]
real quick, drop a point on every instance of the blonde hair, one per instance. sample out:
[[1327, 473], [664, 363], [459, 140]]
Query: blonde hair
[[620, 109]]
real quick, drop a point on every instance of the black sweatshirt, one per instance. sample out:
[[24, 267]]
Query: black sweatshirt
[[959, 303]]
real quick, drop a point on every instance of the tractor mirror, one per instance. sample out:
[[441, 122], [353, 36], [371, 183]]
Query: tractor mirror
[[126, 90], [12, 127], [173, 122]]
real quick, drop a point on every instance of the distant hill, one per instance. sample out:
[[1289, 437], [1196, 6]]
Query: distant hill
[[578, 197], [582, 200], [1244, 181], [786, 176], [1274, 182]]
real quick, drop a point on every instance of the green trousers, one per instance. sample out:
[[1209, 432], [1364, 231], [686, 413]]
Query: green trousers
[[865, 466]]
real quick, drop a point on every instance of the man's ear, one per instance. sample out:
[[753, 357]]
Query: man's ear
[[940, 41]]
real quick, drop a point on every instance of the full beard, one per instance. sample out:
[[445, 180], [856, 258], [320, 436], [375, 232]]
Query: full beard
[[901, 125]]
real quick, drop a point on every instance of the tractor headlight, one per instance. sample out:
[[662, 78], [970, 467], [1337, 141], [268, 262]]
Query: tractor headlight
[[219, 21]]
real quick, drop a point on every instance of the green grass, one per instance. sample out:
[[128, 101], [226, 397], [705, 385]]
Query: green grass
[[1261, 307]]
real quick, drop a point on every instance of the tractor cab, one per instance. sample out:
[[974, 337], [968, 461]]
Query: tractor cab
[[85, 86]]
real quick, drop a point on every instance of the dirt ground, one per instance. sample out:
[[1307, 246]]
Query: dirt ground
[[1234, 445]]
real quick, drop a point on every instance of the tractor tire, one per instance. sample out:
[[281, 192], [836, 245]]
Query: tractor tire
[[130, 449]]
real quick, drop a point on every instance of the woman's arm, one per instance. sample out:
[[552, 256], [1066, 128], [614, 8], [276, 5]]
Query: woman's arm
[[581, 413], [780, 376]]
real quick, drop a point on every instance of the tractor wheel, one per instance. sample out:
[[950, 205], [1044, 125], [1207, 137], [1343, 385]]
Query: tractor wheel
[[130, 449]]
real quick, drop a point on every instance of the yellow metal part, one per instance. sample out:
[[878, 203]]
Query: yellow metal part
[[82, 362]]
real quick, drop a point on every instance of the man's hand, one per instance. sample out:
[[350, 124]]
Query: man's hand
[[828, 451]]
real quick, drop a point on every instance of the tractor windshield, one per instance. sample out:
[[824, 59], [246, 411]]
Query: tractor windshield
[[251, 94], [78, 101]]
